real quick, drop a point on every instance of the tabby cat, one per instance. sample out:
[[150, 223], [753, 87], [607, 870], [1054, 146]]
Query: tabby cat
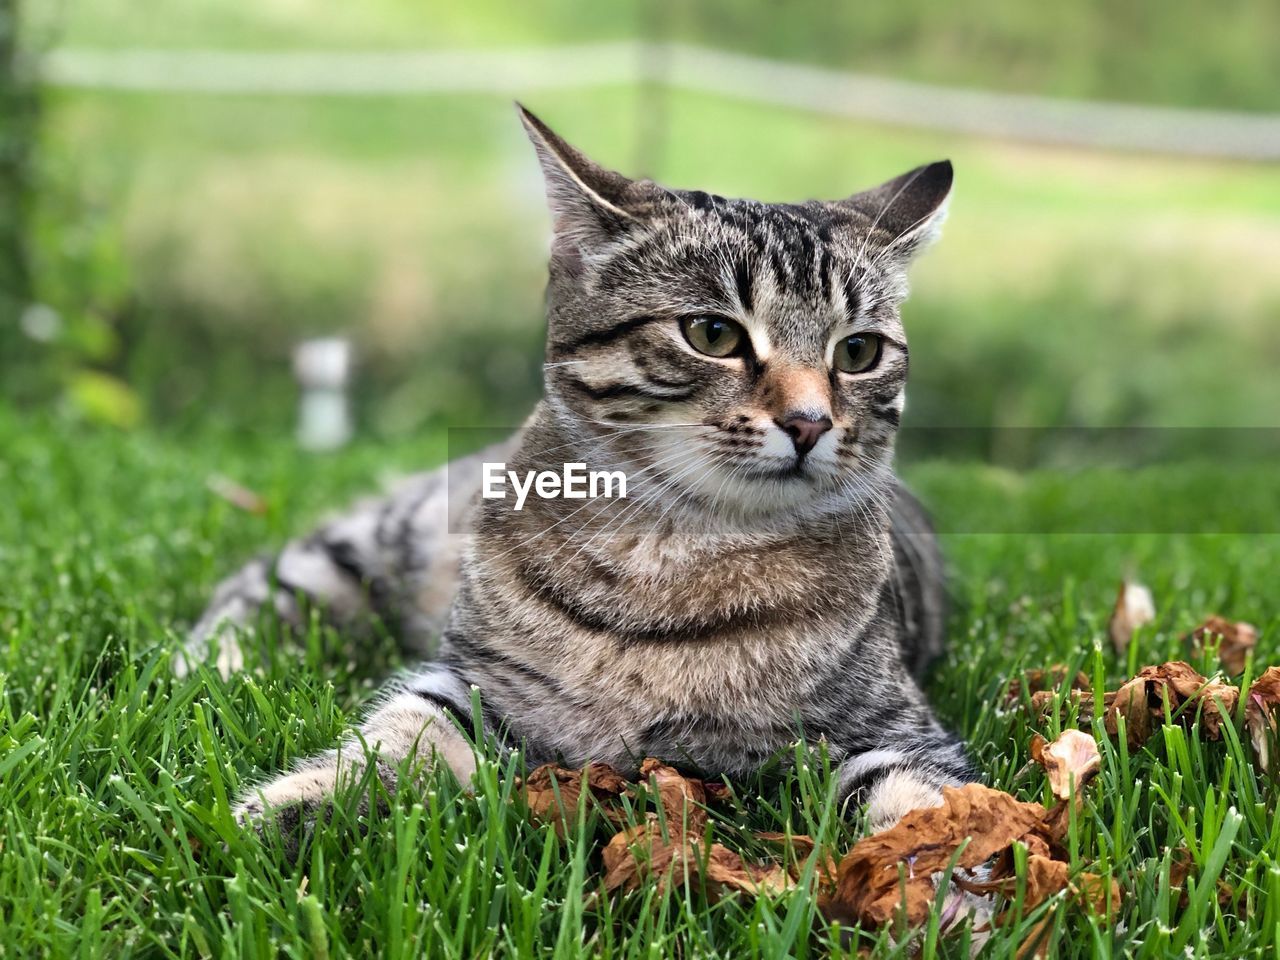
[[766, 575]]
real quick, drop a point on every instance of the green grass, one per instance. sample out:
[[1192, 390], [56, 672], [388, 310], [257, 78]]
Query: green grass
[[115, 834]]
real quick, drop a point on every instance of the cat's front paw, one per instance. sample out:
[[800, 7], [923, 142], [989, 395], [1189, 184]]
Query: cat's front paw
[[306, 789], [288, 807], [897, 793], [230, 658]]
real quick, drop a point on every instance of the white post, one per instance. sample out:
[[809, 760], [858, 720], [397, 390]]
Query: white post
[[323, 368]]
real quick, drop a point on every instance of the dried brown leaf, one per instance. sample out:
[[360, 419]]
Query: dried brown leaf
[[885, 877], [889, 874], [553, 793], [239, 496], [1131, 703], [1262, 706], [605, 781], [1044, 878], [1036, 944], [717, 791], [1236, 639], [727, 869], [1047, 876], [1141, 701], [1100, 895], [1042, 703], [1045, 702], [1072, 758], [802, 848], [642, 853], [669, 849], [683, 799], [1134, 608], [1181, 867], [638, 852], [1049, 680]]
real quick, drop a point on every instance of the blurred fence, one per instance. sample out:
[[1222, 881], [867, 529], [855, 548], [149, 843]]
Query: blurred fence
[[1204, 133]]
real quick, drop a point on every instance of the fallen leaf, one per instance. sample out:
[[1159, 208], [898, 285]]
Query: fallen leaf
[[638, 854], [683, 799], [890, 874], [1181, 867], [729, 871], [1044, 877], [1049, 680], [886, 877], [1134, 608], [1036, 944], [235, 494], [1260, 715], [1132, 703], [802, 848], [717, 792], [1141, 701], [1236, 639], [1097, 894], [1071, 759], [1044, 702], [553, 793]]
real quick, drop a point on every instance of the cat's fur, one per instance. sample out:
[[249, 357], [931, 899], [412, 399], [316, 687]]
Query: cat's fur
[[744, 593]]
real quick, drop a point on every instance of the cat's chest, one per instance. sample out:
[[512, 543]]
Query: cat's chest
[[724, 707], [717, 655], [667, 595]]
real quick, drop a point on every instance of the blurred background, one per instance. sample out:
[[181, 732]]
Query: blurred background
[[188, 188]]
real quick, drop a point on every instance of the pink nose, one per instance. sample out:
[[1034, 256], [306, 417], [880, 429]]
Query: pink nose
[[804, 431]]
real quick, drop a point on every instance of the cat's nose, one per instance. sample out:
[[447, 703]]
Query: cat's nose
[[804, 430]]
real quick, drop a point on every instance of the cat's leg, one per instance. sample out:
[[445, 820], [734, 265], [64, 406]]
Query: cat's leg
[[413, 720], [393, 556], [906, 773]]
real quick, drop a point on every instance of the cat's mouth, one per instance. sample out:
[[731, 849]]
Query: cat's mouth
[[796, 469]]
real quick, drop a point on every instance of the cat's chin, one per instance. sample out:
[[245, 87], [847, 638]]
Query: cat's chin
[[779, 492], [789, 479], [785, 472]]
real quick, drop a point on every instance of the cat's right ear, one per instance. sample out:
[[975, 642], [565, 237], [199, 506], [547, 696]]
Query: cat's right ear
[[588, 203], [906, 213]]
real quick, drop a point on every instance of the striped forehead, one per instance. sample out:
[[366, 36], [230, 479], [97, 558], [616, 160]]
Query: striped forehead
[[793, 244], [790, 272], [788, 267]]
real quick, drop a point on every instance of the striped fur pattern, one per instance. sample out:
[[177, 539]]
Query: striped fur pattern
[[766, 575]]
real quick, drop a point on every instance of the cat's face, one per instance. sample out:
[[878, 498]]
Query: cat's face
[[744, 354]]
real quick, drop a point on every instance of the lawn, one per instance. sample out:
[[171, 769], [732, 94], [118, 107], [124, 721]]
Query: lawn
[[115, 833]]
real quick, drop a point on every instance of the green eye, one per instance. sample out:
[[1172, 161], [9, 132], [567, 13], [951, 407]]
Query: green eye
[[714, 336], [859, 353]]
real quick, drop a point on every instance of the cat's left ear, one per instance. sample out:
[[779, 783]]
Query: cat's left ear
[[906, 213], [590, 205]]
